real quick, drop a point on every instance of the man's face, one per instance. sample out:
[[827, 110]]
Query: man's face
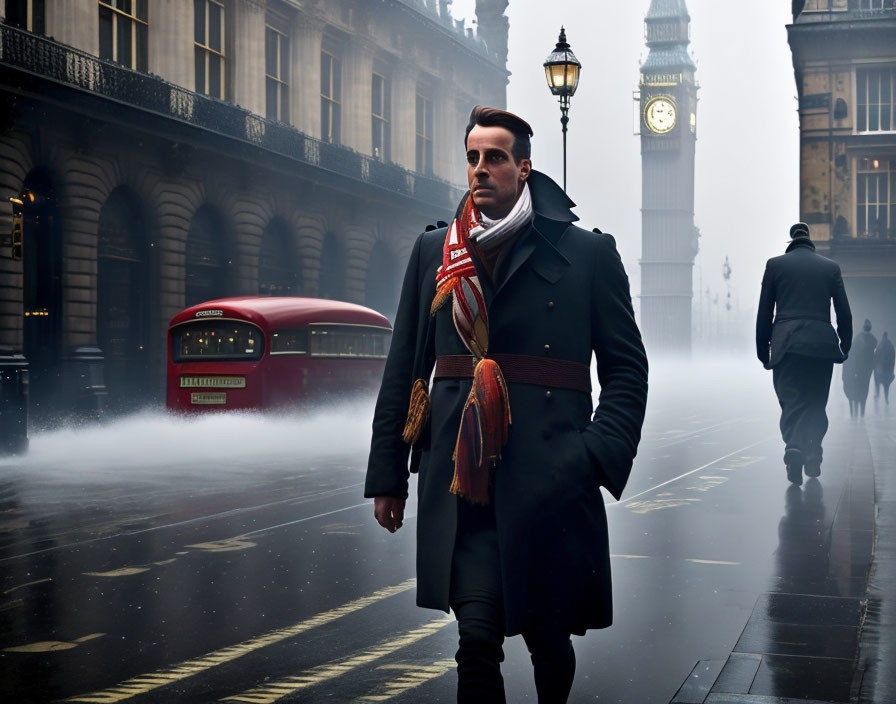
[[495, 179]]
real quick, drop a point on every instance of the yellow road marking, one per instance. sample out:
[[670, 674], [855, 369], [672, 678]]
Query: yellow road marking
[[122, 572], [316, 675], [165, 562], [29, 584], [657, 504], [150, 681], [710, 562], [414, 676], [46, 646], [228, 545]]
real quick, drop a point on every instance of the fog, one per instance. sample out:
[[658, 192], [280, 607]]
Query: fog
[[225, 443], [747, 178]]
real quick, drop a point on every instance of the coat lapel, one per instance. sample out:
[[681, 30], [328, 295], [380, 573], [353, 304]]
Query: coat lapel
[[541, 255]]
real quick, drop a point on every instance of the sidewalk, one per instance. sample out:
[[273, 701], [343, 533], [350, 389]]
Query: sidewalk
[[825, 633], [877, 652]]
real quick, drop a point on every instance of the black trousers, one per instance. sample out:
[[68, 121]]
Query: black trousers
[[802, 385], [477, 603]]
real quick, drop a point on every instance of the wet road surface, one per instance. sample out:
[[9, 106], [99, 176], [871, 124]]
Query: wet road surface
[[236, 560]]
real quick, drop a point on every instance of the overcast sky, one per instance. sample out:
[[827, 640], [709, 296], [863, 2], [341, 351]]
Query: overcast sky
[[747, 150]]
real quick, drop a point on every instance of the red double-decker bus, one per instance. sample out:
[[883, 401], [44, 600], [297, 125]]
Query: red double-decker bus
[[267, 352]]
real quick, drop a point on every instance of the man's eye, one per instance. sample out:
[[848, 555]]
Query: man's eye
[[471, 160], [496, 157]]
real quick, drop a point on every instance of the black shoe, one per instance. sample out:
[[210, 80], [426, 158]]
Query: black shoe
[[813, 468], [793, 459]]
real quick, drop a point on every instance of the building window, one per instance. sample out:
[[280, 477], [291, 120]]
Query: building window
[[276, 73], [27, 14], [872, 4], [123, 32], [380, 113], [875, 89], [424, 134], [876, 198], [330, 94], [209, 39]]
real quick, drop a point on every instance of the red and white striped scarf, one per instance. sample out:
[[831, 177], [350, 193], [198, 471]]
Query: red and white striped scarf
[[486, 416]]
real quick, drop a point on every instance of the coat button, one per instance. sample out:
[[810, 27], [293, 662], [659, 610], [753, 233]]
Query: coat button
[[550, 304], [547, 394], [547, 349]]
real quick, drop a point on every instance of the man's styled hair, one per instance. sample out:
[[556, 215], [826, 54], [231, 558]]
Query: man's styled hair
[[518, 127]]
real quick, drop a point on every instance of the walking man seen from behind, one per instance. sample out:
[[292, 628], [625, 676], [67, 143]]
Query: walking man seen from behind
[[795, 339], [504, 310], [884, 362]]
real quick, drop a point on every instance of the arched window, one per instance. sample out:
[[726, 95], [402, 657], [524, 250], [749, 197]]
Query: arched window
[[332, 268], [208, 258], [122, 310], [277, 264], [382, 280]]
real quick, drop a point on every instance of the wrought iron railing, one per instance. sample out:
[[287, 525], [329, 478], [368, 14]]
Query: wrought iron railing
[[65, 65]]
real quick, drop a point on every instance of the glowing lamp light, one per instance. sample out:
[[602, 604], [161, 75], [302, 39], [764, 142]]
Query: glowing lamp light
[[562, 68]]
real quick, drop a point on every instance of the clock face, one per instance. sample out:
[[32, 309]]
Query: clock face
[[660, 114]]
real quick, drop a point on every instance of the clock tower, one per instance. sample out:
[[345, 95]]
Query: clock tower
[[668, 125]]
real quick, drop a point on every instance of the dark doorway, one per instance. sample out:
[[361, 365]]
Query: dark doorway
[[208, 258], [42, 290], [332, 269], [382, 280], [277, 262], [122, 306]]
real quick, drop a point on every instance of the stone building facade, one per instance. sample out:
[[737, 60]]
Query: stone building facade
[[157, 154], [844, 57]]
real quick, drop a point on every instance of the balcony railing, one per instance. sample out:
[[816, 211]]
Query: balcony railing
[[67, 66]]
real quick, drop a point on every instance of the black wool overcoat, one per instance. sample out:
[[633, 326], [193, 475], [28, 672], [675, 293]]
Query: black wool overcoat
[[562, 292], [794, 314]]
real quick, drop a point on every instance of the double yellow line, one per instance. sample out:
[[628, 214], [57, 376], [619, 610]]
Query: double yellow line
[[190, 668]]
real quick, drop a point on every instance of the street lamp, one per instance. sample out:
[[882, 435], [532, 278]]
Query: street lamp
[[562, 71]]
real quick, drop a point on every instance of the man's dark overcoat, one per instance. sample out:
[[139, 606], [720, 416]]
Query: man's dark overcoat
[[795, 307], [560, 292]]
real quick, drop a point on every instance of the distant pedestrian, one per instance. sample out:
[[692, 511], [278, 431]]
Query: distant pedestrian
[[795, 339], [857, 371], [884, 362]]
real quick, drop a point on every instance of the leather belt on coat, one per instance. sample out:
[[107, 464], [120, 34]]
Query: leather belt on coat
[[521, 369]]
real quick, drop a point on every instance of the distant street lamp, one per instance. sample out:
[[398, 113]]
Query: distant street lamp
[[562, 71]]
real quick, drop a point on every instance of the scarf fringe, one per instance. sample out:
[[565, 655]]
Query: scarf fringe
[[418, 413], [483, 432]]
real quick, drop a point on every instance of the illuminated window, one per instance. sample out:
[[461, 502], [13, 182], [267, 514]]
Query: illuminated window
[[876, 198], [123, 32], [876, 98], [210, 32], [380, 111], [330, 96], [216, 340], [27, 14], [276, 73], [424, 134]]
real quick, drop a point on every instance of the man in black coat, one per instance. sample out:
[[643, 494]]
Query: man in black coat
[[504, 309], [884, 363], [795, 339]]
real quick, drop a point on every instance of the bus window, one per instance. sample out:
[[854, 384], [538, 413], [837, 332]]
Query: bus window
[[289, 342], [216, 339], [358, 341]]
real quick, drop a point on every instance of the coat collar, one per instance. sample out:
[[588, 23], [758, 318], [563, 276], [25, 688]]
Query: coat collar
[[553, 215], [800, 243]]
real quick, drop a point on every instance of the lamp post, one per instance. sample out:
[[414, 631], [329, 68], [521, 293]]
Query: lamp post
[[562, 71]]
